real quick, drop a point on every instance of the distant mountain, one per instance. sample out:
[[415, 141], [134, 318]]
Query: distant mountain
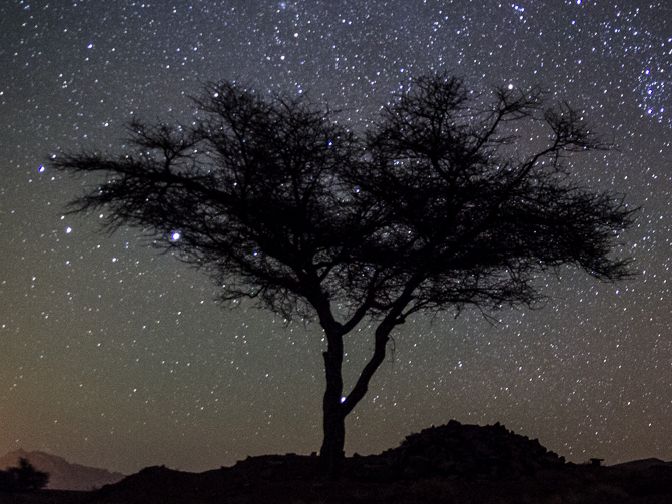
[[643, 464], [63, 475]]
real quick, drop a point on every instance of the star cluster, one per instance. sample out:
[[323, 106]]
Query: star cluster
[[112, 355]]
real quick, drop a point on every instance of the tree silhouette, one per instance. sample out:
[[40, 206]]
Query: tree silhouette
[[29, 478], [441, 205], [23, 478]]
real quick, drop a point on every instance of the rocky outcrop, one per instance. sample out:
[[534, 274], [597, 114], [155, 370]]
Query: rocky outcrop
[[471, 451]]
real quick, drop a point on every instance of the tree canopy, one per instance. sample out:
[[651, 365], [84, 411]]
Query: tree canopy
[[440, 205]]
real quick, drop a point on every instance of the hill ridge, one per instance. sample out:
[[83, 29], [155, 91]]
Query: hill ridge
[[63, 475]]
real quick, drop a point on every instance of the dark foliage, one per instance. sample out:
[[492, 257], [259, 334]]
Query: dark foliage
[[23, 478], [440, 206]]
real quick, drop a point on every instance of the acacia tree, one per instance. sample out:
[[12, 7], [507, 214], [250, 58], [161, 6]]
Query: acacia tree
[[440, 206]]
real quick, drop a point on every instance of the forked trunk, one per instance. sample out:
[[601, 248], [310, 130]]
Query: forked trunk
[[335, 407]]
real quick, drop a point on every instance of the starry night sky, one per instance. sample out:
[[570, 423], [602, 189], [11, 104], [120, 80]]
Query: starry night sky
[[112, 355]]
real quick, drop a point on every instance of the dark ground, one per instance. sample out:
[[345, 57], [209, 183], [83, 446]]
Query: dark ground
[[450, 464]]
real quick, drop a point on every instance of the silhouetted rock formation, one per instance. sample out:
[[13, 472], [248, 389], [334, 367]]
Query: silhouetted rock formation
[[62, 474], [470, 451]]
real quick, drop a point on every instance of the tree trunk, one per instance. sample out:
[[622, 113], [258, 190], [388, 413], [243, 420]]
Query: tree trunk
[[332, 451], [335, 407]]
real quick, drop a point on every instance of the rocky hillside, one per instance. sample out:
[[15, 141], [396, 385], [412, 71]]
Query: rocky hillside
[[453, 463], [450, 464], [470, 451]]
